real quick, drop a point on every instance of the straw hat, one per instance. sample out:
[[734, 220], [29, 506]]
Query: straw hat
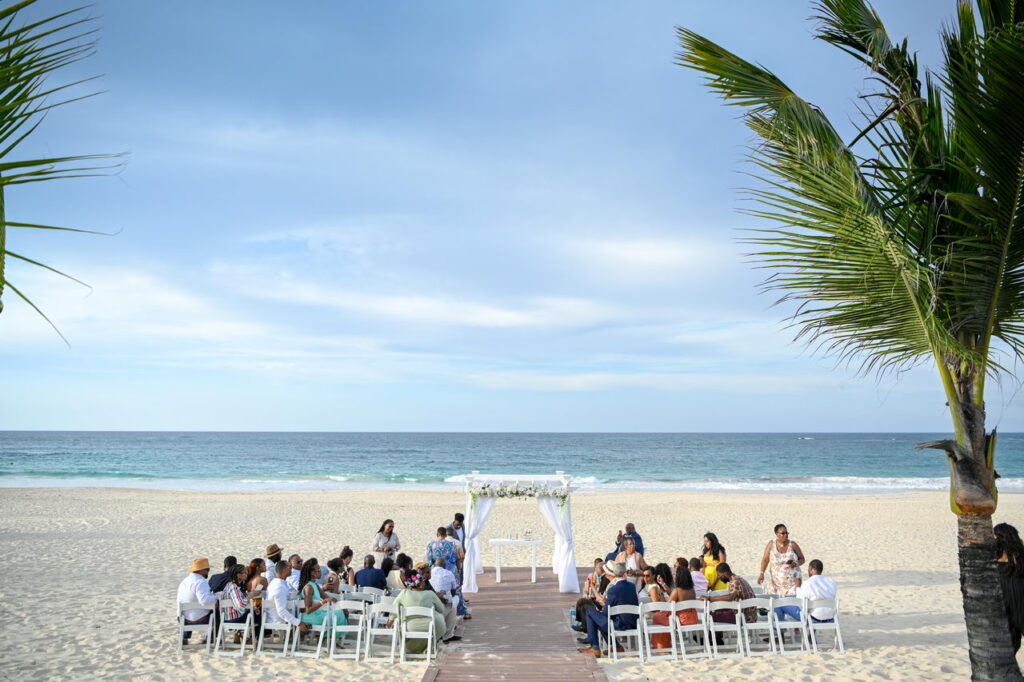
[[200, 564], [272, 550], [420, 565], [614, 569]]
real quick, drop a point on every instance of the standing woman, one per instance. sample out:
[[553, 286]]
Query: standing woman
[[712, 554], [385, 542], [782, 559], [1011, 578], [634, 562]]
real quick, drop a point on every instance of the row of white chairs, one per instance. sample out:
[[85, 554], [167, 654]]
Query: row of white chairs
[[367, 613], [703, 636]]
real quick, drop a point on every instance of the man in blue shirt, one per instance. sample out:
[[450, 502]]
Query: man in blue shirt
[[370, 576], [620, 592], [620, 542]]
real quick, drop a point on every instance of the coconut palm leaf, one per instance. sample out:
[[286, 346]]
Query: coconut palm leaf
[[30, 53]]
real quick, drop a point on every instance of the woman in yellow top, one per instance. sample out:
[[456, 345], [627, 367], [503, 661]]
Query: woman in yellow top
[[712, 554]]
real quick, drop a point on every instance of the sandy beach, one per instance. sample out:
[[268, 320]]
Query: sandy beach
[[101, 605]]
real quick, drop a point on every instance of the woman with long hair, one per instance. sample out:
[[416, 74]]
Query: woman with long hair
[[314, 603], [256, 585], [385, 542], [633, 560], [682, 589], [712, 553], [1011, 578]]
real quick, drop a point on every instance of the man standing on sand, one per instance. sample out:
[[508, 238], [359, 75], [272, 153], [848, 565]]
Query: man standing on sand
[[195, 588], [458, 528]]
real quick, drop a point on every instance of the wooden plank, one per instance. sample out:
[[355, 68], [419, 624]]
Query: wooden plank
[[518, 631]]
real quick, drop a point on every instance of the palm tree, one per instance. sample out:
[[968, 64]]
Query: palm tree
[[906, 244], [29, 53]]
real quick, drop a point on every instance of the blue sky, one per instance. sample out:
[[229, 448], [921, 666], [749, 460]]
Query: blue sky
[[427, 216]]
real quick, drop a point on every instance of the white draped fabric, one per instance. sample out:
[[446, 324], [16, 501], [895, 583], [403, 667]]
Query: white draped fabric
[[558, 516], [563, 560], [472, 564]]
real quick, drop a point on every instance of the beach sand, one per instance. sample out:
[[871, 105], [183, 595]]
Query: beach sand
[[94, 571]]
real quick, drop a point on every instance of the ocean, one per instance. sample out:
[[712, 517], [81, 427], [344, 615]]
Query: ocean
[[788, 462]]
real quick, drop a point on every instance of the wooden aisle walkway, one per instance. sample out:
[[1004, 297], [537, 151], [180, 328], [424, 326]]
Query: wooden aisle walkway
[[518, 632]]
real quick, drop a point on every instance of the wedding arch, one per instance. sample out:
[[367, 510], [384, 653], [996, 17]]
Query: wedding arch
[[552, 494]]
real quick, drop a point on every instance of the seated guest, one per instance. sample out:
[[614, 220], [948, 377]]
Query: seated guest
[[256, 585], [275, 606], [651, 590], [442, 581], [593, 590], [402, 564], [234, 591], [700, 581], [388, 566], [332, 579], [272, 555], [816, 586], [220, 580], [195, 588], [739, 589], [633, 561], [313, 601], [347, 573], [295, 562], [442, 548], [621, 538], [370, 576], [621, 591], [417, 593]]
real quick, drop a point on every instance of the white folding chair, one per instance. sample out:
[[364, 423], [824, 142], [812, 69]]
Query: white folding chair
[[715, 627], [764, 627], [813, 626], [377, 626], [614, 634], [758, 590], [387, 601], [407, 612], [699, 629], [286, 630], [247, 629], [647, 612], [345, 588], [355, 616], [304, 650], [375, 592], [360, 596], [206, 628], [781, 626]]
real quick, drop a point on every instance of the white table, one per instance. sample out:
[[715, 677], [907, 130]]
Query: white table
[[498, 543]]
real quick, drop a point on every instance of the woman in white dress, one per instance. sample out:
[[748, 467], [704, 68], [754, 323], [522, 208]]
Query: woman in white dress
[[634, 562], [385, 542]]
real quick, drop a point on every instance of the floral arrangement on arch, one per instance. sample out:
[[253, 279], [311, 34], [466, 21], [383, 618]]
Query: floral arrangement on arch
[[514, 490]]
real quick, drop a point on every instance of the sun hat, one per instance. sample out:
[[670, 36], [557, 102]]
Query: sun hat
[[200, 564], [272, 550], [614, 569], [420, 565]]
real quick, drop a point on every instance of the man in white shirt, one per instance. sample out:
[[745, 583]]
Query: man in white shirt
[[444, 584], [818, 586], [275, 606], [195, 588]]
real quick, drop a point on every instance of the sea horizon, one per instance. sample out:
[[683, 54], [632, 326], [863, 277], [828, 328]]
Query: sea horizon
[[803, 462]]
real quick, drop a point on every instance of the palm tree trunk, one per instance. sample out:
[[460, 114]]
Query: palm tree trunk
[[3, 246], [988, 635]]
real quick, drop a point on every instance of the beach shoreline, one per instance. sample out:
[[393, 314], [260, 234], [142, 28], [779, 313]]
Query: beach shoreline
[[893, 556]]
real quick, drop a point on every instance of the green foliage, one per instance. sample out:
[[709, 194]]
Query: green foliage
[[905, 243], [29, 54]]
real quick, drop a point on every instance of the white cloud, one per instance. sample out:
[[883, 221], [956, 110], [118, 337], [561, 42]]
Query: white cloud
[[650, 260], [532, 380]]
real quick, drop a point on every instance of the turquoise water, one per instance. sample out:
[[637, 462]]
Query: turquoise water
[[813, 462]]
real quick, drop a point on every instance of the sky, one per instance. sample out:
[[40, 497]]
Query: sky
[[427, 216]]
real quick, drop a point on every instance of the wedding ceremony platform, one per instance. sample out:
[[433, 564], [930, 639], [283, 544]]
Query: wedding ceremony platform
[[552, 493]]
